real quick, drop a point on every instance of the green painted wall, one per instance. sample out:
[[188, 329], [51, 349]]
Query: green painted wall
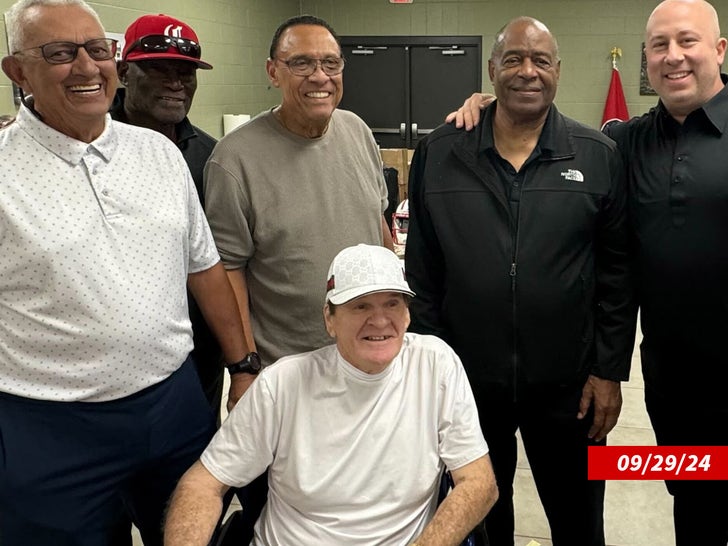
[[235, 36], [236, 33], [585, 29]]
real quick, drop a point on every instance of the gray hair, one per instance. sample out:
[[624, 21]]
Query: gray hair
[[16, 18]]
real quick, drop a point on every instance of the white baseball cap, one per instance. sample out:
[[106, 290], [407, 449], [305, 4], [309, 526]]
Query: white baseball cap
[[364, 269]]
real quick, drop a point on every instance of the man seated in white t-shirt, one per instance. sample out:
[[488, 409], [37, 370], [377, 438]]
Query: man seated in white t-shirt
[[356, 435]]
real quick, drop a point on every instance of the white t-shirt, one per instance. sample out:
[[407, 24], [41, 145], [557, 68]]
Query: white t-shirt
[[96, 243], [354, 458]]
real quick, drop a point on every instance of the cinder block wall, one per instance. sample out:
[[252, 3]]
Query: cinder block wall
[[585, 29], [236, 33]]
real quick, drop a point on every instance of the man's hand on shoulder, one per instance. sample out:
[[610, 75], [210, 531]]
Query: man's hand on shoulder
[[468, 114]]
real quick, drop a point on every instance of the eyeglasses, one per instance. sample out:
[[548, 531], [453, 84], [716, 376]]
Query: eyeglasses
[[160, 43], [100, 49], [305, 66]]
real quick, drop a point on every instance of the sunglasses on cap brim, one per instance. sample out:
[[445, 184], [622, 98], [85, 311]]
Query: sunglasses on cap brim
[[161, 44]]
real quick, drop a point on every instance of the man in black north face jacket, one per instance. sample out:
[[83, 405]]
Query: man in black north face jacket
[[517, 251]]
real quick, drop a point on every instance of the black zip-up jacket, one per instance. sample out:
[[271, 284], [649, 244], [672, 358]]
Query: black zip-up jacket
[[542, 299]]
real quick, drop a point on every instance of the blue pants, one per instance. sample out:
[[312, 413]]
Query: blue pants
[[68, 470]]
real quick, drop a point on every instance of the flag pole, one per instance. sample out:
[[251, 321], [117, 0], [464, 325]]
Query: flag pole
[[615, 107]]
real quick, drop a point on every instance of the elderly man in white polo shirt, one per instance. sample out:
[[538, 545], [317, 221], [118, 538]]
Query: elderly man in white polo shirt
[[100, 232], [356, 435]]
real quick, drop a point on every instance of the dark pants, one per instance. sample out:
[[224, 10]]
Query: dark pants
[[208, 363], [68, 470], [700, 508], [556, 444]]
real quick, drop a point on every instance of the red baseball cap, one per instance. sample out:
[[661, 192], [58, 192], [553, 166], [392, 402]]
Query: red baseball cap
[[159, 25]]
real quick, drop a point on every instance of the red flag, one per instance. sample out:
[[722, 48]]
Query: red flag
[[615, 109]]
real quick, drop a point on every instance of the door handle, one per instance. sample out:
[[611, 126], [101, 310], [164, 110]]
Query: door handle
[[414, 131], [403, 131], [366, 50]]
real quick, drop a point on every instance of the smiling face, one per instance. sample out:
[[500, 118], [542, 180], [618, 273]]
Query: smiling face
[[308, 101], [524, 69], [684, 52], [159, 93], [369, 329], [72, 98]]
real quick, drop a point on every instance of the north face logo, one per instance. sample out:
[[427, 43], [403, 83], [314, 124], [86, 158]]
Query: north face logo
[[573, 175]]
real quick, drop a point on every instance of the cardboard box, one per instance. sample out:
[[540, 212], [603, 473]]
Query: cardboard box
[[400, 159]]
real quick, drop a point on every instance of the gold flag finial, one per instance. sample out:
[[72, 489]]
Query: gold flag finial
[[616, 53]]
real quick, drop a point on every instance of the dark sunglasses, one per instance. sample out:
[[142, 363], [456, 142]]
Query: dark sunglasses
[[161, 43]]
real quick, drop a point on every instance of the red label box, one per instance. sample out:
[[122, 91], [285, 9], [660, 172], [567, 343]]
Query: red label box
[[658, 463]]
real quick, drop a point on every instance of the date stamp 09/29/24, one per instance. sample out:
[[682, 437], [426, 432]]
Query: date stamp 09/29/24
[[658, 463]]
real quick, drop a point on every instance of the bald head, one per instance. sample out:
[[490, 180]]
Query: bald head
[[684, 52], [521, 25], [699, 8]]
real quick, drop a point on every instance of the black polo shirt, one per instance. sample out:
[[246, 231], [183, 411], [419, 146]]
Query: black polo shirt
[[196, 147], [511, 179], [678, 194], [194, 143]]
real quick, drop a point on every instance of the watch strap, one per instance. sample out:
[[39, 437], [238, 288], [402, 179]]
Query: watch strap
[[250, 364]]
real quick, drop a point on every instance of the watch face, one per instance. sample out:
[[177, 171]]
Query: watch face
[[250, 364], [253, 359]]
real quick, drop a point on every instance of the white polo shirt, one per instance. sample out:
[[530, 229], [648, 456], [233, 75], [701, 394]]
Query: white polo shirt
[[96, 243]]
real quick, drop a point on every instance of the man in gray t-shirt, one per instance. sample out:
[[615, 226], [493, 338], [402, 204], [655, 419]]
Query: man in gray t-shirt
[[287, 191]]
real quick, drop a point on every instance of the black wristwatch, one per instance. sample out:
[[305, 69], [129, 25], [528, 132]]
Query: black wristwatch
[[250, 364]]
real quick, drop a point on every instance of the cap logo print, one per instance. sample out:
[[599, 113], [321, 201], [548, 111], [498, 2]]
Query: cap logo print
[[172, 30], [364, 269], [161, 37]]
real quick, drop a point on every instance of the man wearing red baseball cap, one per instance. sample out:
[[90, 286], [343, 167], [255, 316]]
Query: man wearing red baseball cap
[[159, 65], [159, 71]]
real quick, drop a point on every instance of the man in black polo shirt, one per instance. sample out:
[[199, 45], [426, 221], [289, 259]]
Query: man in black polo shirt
[[159, 70], [678, 185], [678, 199]]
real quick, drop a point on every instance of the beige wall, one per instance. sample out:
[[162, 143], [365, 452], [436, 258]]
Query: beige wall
[[236, 33]]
